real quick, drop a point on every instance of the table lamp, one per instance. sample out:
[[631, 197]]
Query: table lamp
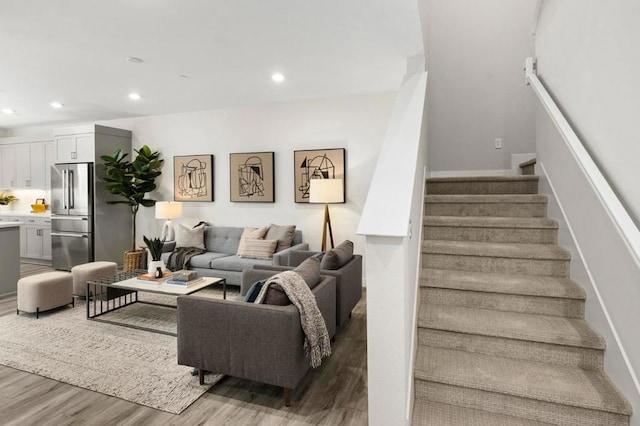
[[326, 191], [168, 210]]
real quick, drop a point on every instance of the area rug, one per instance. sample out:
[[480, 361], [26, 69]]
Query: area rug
[[134, 365]]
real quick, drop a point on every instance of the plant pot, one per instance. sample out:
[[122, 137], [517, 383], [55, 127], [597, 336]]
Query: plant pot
[[154, 265]]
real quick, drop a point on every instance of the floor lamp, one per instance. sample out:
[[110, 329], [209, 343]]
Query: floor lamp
[[326, 191], [168, 210]]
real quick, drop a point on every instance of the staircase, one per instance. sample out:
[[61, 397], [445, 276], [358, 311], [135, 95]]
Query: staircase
[[501, 330]]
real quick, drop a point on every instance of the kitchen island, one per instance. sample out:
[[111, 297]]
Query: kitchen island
[[9, 257]]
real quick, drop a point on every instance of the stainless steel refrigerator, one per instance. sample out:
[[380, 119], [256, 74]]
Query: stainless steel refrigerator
[[72, 215]]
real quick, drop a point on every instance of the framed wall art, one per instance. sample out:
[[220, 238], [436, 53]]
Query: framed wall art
[[252, 177], [193, 178], [317, 164]]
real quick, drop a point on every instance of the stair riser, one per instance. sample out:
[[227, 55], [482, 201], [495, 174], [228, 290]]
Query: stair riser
[[486, 209], [569, 308], [484, 188], [494, 235], [557, 268], [511, 348], [528, 170], [540, 411]]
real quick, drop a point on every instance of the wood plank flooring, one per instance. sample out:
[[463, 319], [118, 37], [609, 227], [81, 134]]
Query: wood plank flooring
[[333, 394]]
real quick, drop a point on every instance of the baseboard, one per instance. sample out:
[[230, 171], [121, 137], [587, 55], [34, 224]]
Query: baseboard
[[471, 173]]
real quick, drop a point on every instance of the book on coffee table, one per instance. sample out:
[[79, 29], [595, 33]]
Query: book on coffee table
[[152, 278], [185, 283]]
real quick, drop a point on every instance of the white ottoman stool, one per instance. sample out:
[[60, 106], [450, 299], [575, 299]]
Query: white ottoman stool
[[90, 271], [43, 292]]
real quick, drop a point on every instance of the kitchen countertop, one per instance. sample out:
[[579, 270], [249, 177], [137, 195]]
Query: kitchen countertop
[[25, 213], [10, 224]]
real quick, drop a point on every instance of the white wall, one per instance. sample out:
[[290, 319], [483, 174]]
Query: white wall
[[356, 123], [600, 259], [588, 57], [475, 58]]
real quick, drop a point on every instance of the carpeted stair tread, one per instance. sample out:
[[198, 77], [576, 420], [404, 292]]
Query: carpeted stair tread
[[491, 222], [560, 384], [503, 250], [526, 285], [457, 179], [490, 199], [427, 413], [511, 325]]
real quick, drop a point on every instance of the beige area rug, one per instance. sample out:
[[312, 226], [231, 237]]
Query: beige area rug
[[134, 365]]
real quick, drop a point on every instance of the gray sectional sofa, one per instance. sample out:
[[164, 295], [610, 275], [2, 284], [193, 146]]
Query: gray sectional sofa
[[220, 260]]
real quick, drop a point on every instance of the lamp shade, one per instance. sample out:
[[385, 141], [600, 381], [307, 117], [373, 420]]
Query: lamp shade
[[168, 210], [326, 191]]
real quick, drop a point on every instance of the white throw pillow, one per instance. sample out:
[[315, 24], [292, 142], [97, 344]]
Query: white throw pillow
[[258, 233], [190, 237], [255, 248]]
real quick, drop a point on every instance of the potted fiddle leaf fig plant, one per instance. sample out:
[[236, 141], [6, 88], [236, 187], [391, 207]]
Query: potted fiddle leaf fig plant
[[132, 180], [155, 250]]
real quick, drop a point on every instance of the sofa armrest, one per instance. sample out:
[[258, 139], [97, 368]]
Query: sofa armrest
[[281, 258], [299, 256], [253, 341]]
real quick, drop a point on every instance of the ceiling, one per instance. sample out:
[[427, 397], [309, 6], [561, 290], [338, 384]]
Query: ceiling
[[198, 54]]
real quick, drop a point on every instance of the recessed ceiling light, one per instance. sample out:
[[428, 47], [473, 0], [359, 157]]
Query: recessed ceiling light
[[56, 105], [277, 77], [8, 111], [134, 96], [134, 60], [183, 76]]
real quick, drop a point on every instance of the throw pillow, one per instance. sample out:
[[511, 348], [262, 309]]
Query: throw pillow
[[258, 233], [253, 292], [284, 235], [336, 257], [255, 248], [190, 237], [309, 270], [276, 296]]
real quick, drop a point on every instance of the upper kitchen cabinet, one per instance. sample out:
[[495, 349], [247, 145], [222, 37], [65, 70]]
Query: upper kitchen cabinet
[[8, 167], [86, 144], [33, 161]]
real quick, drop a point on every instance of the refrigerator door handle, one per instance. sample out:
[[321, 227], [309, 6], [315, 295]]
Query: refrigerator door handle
[[65, 185], [72, 195], [64, 234], [69, 217]]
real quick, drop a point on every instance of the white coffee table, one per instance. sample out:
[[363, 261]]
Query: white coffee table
[[111, 293]]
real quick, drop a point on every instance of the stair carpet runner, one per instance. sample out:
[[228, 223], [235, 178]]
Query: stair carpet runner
[[501, 330]]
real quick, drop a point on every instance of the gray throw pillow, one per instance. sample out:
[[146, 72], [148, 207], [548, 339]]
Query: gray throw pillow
[[190, 237], [276, 296], [284, 235], [309, 270], [336, 257]]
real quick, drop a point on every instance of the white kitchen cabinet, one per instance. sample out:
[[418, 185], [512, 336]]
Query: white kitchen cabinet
[[35, 238], [49, 160], [31, 163], [78, 148], [7, 167]]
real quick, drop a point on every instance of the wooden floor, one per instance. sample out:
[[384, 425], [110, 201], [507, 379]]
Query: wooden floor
[[333, 394]]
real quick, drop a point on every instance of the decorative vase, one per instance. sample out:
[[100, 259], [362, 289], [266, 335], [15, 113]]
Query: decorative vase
[[154, 265]]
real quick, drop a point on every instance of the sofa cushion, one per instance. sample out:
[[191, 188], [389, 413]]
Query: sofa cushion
[[284, 235], [255, 248], [204, 260], [189, 237], [258, 233], [222, 239], [336, 257], [309, 270], [236, 263]]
